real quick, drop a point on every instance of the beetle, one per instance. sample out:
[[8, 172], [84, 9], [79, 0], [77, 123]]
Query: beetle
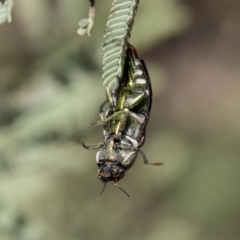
[[124, 122]]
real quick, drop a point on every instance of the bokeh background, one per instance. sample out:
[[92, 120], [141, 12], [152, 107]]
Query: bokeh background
[[51, 88]]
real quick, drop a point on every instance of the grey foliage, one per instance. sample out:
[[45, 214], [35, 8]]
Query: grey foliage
[[6, 11]]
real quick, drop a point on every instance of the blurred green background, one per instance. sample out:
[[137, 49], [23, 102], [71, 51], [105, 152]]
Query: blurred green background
[[51, 88]]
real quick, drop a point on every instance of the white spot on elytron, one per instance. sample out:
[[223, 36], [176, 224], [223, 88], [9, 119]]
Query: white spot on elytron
[[136, 63], [141, 81], [139, 72]]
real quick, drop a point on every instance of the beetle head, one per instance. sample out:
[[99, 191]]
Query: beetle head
[[110, 171]]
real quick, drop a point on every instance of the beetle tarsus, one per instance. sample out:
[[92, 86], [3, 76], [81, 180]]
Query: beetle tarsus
[[145, 161]]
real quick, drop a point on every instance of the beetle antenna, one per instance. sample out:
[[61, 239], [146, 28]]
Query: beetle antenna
[[105, 183], [121, 189]]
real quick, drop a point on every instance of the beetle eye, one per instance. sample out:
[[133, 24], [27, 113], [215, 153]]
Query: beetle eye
[[121, 174]]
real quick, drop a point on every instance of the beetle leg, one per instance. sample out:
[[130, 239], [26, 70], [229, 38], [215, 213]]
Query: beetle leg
[[111, 91], [131, 148], [123, 112], [94, 146], [109, 95], [137, 100], [145, 161], [101, 112], [133, 102]]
